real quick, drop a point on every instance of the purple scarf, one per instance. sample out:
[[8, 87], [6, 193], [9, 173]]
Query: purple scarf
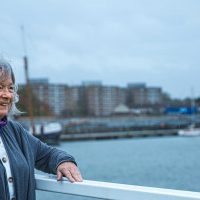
[[3, 122]]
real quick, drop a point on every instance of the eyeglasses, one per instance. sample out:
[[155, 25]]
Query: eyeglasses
[[10, 88]]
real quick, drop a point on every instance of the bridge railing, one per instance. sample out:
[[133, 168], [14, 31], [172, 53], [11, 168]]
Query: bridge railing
[[112, 191]]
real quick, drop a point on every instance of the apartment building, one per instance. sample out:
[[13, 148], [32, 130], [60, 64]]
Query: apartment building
[[139, 95], [102, 100], [57, 97], [74, 101], [52, 94], [111, 97], [93, 98], [154, 95]]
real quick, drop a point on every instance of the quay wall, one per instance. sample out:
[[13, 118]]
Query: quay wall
[[120, 134]]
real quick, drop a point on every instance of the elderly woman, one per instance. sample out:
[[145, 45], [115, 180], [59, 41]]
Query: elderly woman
[[20, 152]]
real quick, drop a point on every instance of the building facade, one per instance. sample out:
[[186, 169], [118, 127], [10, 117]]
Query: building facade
[[52, 94], [93, 98], [139, 95]]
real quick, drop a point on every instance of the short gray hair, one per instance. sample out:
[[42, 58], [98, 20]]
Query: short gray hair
[[5, 73]]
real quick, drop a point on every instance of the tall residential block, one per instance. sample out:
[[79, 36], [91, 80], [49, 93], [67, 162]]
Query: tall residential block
[[74, 101], [139, 95], [93, 98], [102, 100], [52, 94]]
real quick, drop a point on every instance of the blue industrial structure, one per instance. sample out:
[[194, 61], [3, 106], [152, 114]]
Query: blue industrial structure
[[181, 110]]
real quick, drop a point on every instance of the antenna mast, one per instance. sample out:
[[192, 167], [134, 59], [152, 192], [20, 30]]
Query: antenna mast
[[28, 88]]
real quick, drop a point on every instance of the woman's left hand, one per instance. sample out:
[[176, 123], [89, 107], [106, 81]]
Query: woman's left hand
[[69, 170]]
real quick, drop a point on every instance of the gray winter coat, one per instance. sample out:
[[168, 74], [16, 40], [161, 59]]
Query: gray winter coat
[[25, 153]]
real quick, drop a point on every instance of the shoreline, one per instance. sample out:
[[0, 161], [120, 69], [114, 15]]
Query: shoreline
[[119, 134]]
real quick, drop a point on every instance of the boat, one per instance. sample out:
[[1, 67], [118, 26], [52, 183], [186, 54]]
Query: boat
[[49, 132], [190, 131]]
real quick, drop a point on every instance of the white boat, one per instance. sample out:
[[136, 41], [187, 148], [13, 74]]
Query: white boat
[[190, 131], [48, 132]]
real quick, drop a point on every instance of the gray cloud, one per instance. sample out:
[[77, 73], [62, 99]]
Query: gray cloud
[[115, 41]]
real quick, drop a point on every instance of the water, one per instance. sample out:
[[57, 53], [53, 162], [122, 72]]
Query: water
[[166, 162]]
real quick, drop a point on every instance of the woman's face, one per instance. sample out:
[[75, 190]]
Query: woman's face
[[6, 96]]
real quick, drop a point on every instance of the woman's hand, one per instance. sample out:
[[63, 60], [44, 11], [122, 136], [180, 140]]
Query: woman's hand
[[69, 170]]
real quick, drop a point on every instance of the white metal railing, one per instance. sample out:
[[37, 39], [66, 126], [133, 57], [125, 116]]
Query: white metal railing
[[112, 191]]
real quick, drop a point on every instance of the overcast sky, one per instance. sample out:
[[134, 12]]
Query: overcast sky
[[114, 41]]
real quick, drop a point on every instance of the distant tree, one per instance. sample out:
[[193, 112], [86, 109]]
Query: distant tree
[[76, 112], [39, 108], [166, 99], [197, 101]]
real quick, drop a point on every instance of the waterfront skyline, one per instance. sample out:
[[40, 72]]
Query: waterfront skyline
[[115, 42]]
